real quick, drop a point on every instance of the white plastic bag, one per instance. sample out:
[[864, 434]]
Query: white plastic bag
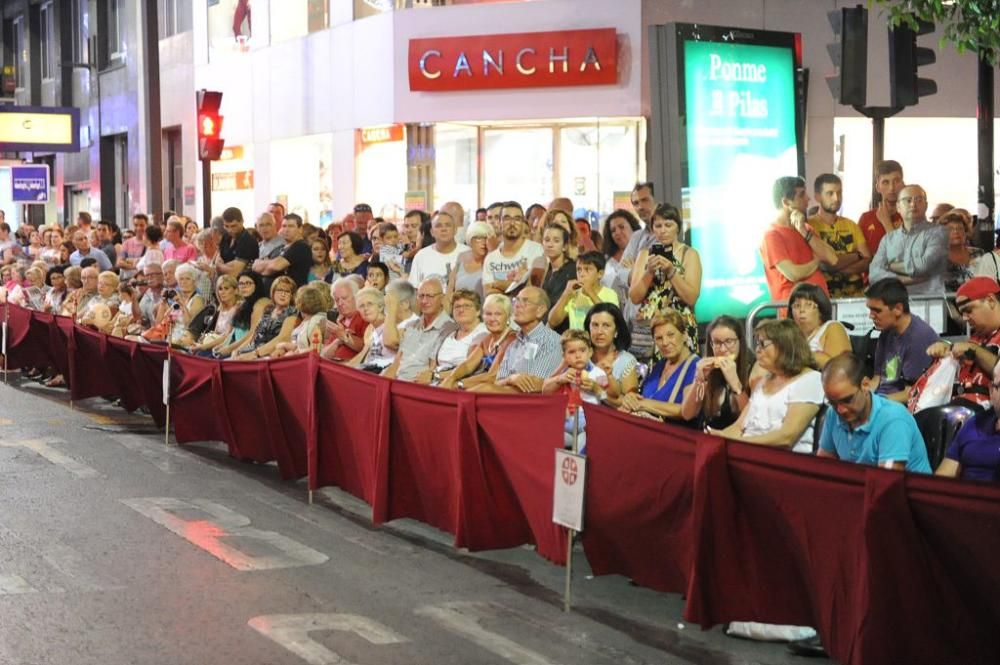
[[938, 387]]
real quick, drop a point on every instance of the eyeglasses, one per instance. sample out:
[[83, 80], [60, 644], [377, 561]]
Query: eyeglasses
[[761, 344], [462, 307], [730, 343], [844, 401], [285, 291], [523, 302], [428, 296], [245, 284]]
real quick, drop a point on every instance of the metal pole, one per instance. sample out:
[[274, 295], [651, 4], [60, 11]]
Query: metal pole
[[878, 151], [206, 193], [567, 591], [166, 397], [984, 119]]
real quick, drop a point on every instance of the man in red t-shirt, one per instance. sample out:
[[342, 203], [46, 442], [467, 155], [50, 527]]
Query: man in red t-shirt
[[348, 330], [879, 221], [792, 250]]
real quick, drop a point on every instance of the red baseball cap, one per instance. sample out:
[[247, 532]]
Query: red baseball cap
[[976, 288]]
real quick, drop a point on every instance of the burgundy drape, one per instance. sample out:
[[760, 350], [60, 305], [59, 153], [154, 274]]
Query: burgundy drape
[[889, 567]]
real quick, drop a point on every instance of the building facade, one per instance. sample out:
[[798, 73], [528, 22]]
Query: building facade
[[320, 109]]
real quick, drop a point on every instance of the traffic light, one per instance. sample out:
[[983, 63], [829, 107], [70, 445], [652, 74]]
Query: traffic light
[[905, 57], [849, 55], [210, 140]]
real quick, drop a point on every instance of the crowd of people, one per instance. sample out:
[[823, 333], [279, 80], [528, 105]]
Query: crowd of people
[[515, 300]]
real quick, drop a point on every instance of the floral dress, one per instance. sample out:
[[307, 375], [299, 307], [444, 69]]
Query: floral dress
[[661, 297]]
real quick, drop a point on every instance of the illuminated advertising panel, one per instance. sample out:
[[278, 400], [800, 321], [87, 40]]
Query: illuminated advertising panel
[[736, 132], [39, 129]]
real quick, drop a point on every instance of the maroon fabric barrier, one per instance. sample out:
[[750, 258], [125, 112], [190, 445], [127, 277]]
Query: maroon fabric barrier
[[889, 567], [639, 499]]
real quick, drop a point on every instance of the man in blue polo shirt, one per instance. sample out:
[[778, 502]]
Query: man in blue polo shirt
[[864, 427]]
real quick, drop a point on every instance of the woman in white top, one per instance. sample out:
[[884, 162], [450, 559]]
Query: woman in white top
[[812, 312], [465, 307], [374, 356], [785, 401]]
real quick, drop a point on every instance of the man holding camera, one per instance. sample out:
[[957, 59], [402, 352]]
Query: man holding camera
[[792, 251]]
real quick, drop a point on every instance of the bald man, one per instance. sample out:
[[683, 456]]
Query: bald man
[[917, 252]]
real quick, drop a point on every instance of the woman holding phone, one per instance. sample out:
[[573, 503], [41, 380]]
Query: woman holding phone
[[666, 276]]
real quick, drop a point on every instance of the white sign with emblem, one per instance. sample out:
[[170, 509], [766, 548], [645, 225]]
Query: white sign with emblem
[[567, 500]]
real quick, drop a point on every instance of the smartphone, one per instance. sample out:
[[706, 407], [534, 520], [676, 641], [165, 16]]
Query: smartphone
[[332, 316], [659, 249]]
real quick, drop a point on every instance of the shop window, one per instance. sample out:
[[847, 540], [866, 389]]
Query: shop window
[[595, 161], [114, 32], [174, 17], [297, 18], [306, 188], [229, 27], [20, 53], [456, 161], [47, 40], [517, 165], [80, 20]]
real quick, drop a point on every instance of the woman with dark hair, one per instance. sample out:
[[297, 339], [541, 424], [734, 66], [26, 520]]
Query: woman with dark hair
[[57, 293], [353, 261], [666, 276], [276, 325], [322, 267], [722, 382], [785, 401], [611, 338], [555, 268], [812, 312], [250, 288], [618, 229]]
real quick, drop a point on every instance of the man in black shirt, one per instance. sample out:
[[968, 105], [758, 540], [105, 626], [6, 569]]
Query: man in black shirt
[[239, 250], [295, 259]]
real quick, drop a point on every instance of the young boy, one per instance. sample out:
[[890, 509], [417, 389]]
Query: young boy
[[580, 379], [389, 250], [582, 293]]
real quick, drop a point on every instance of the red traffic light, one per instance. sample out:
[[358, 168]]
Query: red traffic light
[[209, 125]]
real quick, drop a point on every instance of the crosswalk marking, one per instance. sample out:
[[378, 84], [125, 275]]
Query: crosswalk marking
[[292, 632]]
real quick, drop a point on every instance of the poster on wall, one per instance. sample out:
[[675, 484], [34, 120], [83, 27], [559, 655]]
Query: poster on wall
[[737, 131]]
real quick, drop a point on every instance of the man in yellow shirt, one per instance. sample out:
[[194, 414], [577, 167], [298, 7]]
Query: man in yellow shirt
[[846, 278]]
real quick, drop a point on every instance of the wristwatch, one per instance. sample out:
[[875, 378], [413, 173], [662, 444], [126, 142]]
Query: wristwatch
[[460, 385]]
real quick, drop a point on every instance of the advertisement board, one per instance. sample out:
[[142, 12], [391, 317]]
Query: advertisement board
[[737, 130], [30, 183]]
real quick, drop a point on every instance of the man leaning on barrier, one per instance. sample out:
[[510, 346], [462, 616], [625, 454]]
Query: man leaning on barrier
[[978, 301], [917, 252]]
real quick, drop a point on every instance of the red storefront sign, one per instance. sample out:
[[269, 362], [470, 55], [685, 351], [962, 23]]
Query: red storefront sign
[[515, 60], [382, 134]]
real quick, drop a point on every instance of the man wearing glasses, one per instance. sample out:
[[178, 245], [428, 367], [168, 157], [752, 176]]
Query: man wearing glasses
[[978, 300], [509, 263], [917, 252], [866, 428], [422, 339], [535, 353]]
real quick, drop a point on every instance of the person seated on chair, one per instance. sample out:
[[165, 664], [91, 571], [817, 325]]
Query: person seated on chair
[[900, 354], [812, 312], [863, 427], [974, 454], [662, 393], [978, 301], [785, 401]]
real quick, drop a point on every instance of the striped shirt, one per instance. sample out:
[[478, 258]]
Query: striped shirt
[[538, 353]]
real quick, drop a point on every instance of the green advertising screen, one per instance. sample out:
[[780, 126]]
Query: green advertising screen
[[739, 106]]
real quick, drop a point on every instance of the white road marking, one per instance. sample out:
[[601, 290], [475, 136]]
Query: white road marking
[[220, 524], [14, 584], [463, 617], [155, 457], [43, 449], [292, 632]]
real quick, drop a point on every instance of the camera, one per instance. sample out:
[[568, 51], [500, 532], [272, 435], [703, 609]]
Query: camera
[[169, 294], [332, 316], [135, 281], [659, 249]]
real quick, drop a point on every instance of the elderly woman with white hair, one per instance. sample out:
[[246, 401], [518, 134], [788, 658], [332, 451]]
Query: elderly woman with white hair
[[32, 291], [468, 274], [348, 331], [485, 355], [374, 356]]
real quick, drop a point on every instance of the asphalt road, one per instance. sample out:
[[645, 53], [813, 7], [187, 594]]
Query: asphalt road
[[116, 549]]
